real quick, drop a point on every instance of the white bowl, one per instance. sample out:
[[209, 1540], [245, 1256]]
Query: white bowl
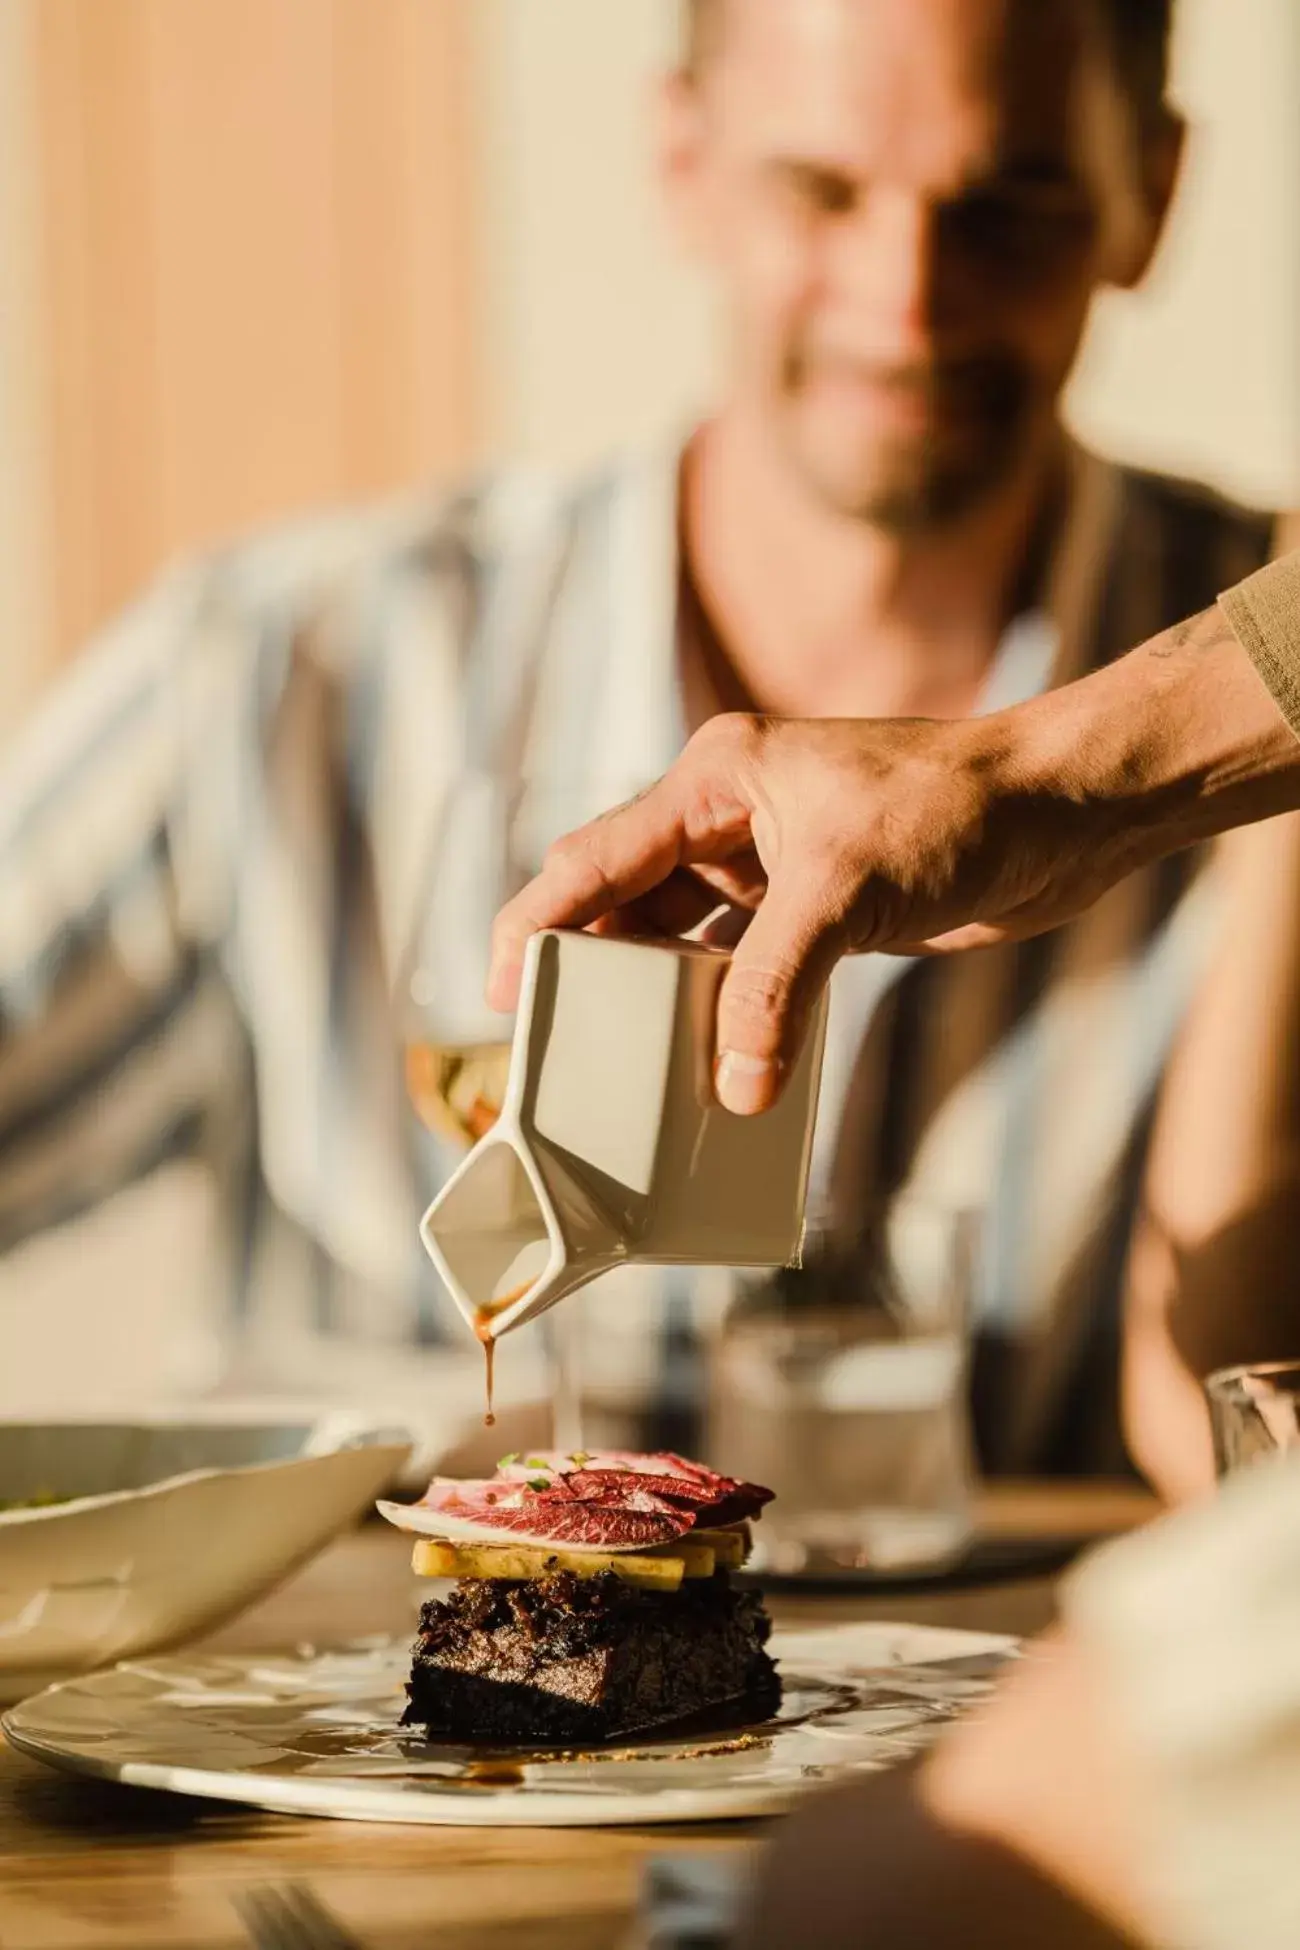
[[171, 1527]]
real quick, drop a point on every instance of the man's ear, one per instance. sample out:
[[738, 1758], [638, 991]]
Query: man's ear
[[680, 154], [1160, 164]]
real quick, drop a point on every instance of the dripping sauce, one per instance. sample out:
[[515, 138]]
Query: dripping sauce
[[483, 1330]]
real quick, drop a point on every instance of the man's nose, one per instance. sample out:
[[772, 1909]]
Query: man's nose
[[885, 270]]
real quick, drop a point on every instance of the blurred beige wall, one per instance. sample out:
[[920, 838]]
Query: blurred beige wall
[[1200, 371], [597, 329]]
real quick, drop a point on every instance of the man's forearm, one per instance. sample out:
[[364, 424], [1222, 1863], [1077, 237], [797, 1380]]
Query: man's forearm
[[1175, 742]]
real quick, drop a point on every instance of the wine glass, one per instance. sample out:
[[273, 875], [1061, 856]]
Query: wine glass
[[490, 839]]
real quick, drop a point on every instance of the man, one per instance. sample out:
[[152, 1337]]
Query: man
[[345, 739]]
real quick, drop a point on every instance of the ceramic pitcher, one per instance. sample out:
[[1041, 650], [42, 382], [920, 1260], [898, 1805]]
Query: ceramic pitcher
[[611, 1147]]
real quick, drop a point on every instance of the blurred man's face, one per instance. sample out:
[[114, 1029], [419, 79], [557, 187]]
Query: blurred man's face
[[910, 204]]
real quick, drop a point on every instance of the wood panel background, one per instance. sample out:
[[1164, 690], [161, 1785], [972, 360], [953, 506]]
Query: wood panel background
[[257, 278]]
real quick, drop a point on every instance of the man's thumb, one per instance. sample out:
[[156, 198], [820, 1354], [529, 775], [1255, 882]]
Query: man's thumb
[[777, 972]]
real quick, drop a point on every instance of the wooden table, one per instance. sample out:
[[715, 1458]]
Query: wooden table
[[87, 1864]]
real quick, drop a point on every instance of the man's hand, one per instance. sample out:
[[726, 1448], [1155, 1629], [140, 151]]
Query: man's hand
[[835, 837], [822, 838]]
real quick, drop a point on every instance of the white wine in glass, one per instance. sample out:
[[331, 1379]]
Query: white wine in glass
[[457, 1088], [456, 1050]]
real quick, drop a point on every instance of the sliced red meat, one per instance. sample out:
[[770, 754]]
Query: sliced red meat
[[729, 1500], [590, 1525], [450, 1492], [665, 1463], [556, 1462], [744, 1500], [612, 1488], [548, 1520], [721, 1500], [612, 1501]]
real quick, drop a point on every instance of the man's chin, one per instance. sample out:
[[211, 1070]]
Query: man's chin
[[905, 495]]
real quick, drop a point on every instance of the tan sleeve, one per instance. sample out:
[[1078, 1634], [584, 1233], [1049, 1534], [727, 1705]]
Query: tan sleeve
[[1264, 612]]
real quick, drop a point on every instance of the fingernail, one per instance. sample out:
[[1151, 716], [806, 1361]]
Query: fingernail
[[744, 1084]]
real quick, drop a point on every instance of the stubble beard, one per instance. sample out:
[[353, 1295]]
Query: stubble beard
[[914, 486], [911, 490]]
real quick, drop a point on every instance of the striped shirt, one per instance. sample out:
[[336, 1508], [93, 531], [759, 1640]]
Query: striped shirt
[[301, 755]]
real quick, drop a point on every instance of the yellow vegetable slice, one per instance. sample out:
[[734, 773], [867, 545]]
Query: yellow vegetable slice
[[730, 1547], [432, 1559]]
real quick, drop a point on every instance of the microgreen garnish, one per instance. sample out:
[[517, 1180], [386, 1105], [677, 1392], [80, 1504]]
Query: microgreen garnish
[[536, 1462], [504, 1462], [539, 1483], [580, 1458]]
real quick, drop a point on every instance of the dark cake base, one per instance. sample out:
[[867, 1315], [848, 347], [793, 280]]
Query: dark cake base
[[564, 1660]]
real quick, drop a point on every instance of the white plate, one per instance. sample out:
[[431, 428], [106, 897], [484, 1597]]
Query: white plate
[[317, 1733]]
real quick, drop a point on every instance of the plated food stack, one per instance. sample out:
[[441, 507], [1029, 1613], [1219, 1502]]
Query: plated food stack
[[594, 1599]]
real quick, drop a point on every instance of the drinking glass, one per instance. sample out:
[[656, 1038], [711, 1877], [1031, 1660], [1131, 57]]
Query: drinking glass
[[1254, 1413], [842, 1387]]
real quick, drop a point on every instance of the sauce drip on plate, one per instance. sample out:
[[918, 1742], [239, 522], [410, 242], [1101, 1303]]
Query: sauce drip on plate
[[493, 1773]]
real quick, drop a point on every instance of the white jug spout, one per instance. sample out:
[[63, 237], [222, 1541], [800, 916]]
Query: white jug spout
[[510, 1242]]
